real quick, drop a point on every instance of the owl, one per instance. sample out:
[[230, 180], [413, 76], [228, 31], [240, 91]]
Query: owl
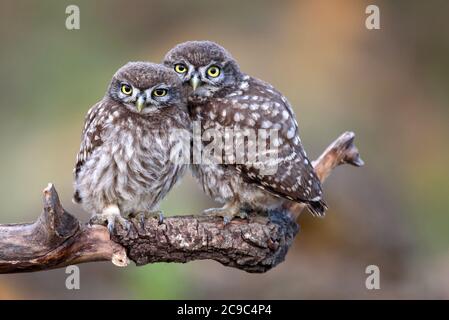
[[133, 144], [221, 97]]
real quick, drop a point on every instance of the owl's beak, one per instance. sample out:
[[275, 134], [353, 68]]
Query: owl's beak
[[195, 82], [140, 103]]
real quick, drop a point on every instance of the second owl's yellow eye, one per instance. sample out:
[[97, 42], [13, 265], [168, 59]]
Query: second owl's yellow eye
[[127, 89], [160, 92], [213, 71], [180, 68]]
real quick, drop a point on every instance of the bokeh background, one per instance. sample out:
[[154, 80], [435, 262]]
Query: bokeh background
[[390, 86]]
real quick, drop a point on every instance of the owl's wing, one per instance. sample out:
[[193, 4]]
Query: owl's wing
[[91, 136], [289, 173]]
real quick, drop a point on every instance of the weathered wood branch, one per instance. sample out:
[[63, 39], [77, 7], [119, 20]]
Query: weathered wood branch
[[58, 239]]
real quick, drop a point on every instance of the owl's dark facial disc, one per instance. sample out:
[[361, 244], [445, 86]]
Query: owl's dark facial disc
[[144, 87], [204, 66]]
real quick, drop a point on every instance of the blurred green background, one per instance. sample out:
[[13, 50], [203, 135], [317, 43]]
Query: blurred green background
[[390, 86]]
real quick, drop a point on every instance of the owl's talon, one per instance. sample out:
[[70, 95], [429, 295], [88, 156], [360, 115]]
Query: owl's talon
[[157, 215], [142, 220], [124, 223], [226, 220], [111, 226], [227, 213], [109, 217], [143, 216]]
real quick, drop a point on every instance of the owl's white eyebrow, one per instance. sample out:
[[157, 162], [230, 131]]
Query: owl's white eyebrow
[[182, 61], [160, 85], [214, 63]]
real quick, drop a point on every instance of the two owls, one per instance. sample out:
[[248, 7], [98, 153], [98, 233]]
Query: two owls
[[136, 140]]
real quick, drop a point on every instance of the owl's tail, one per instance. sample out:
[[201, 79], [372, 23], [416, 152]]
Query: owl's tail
[[316, 208]]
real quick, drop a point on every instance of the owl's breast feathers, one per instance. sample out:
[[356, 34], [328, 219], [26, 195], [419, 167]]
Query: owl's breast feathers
[[134, 145], [254, 104]]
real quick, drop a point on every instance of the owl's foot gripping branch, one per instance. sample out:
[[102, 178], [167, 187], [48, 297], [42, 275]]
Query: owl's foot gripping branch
[[257, 244]]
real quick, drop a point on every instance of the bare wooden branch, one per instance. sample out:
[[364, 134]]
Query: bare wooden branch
[[58, 239], [55, 240], [341, 151]]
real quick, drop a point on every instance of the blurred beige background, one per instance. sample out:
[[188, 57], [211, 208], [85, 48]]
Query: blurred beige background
[[390, 86]]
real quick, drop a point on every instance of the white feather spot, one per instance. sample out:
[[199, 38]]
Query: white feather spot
[[291, 132], [244, 85], [254, 106], [255, 116], [250, 122], [265, 106], [296, 141], [266, 124], [235, 93], [238, 117]]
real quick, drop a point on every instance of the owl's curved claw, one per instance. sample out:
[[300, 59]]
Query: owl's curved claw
[[109, 218], [227, 212], [142, 220], [124, 224], [161, 218], [143, 216], [158, 214]]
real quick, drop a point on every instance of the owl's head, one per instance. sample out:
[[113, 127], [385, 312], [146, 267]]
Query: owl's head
[[144, 87], [204, 65]]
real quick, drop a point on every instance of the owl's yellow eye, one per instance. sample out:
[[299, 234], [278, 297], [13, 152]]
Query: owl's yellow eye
[[127, 89], [213, 71], [160, 92], [180, 68]]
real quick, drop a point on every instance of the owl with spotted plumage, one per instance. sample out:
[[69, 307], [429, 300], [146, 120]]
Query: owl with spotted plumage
[[133, 144], [221, 96]]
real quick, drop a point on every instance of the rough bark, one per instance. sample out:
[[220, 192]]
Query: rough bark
[[58, 239]]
